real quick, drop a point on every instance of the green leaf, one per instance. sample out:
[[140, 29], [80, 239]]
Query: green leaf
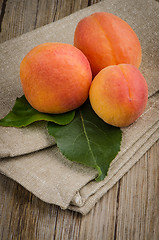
[[88, 140], [24, 114]]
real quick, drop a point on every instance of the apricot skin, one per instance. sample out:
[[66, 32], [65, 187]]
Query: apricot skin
[[107, 40], [55, 77], [119, 94]]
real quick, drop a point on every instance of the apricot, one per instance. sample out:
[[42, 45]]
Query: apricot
[[118, 94], [107, 40], [55, 77]]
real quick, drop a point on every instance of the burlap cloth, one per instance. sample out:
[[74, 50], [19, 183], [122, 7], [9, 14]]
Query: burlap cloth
[[28, 155]]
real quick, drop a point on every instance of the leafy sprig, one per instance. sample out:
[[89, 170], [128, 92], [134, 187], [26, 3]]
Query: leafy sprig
[[81, 137]]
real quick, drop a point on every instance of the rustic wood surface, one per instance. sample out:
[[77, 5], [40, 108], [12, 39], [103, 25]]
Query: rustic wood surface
[[130, 210]]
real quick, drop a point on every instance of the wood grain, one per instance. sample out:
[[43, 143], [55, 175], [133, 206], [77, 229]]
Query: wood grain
[[138, 213], [21, 16], [130, 210]]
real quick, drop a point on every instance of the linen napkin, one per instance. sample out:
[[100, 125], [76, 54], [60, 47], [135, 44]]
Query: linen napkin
[[28, 155]]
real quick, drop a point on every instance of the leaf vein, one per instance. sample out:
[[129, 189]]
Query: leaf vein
[[84, 129], [96, 127]]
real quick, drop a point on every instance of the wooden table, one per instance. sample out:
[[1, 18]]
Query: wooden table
[[130, 210]]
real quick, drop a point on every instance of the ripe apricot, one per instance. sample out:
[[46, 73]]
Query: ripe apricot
[[119, 94], [107, 40], [55, 77]]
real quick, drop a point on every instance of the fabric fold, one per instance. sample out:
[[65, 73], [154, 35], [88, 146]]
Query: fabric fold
[[90, 202], [126, 160], [20, 141], [56, 180]]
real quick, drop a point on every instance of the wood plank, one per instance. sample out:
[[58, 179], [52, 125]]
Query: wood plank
[[138, 214], [21, 16], [2, 11], [51, 10], [23, 216], [152, 210], [68, 225], [100, 223]]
